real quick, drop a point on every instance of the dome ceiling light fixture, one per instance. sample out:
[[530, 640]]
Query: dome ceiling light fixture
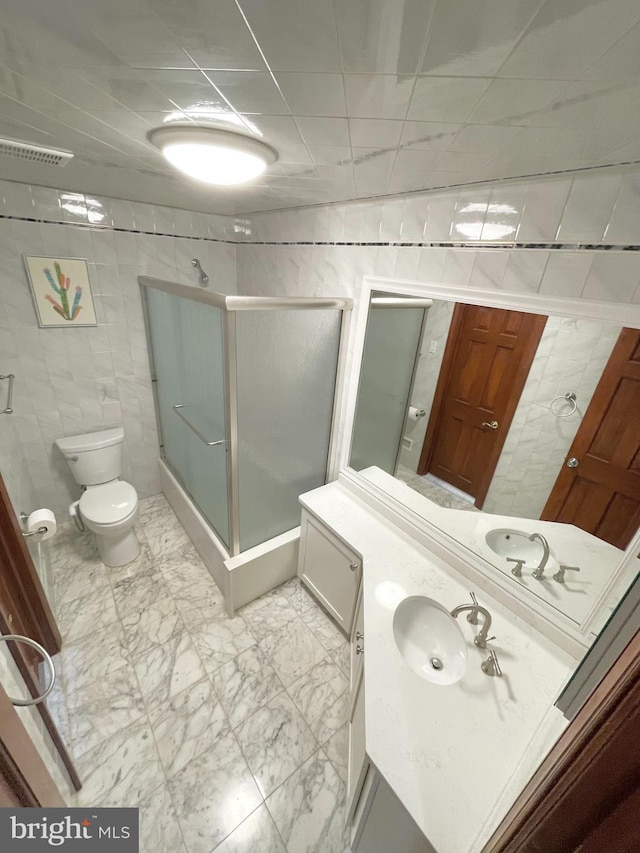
[[212, 155]]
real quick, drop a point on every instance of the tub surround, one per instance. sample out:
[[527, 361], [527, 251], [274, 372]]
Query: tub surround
[[475, 735]]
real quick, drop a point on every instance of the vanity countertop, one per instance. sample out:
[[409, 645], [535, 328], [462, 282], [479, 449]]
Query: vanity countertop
[[571, 546], [456, 756]]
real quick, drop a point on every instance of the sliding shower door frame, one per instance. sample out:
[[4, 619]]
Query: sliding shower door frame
[[230, 305]]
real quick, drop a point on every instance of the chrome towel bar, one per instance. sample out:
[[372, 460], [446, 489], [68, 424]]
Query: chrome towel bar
[[8, 410], [202, 438]]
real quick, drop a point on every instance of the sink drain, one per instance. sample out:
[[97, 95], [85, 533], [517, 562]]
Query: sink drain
[[436, 663]]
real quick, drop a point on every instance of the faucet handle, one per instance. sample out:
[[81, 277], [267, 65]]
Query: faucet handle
[[559, 575], [516, 571], [491, 666], [472, 615], [481, 642]]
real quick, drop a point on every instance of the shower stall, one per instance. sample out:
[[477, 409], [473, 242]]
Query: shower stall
[[245, 391]]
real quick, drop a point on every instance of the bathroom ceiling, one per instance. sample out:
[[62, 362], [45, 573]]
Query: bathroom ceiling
[[361, 98]]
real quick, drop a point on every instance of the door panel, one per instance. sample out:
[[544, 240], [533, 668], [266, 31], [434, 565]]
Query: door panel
[[24, 779], [487, 359], [602, 493]]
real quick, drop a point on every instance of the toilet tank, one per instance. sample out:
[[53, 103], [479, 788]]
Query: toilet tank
[[94, 457]]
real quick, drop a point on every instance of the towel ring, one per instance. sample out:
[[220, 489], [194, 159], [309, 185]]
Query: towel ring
[[569, 397], [18, 638]]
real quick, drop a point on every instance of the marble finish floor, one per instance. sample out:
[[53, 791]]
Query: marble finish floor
[[228, 734], [431, 490]]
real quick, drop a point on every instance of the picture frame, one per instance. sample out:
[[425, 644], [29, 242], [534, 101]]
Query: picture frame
[[61, 291]]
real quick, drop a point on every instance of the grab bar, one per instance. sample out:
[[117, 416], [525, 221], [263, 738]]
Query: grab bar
[[193, 429], [8, 410]]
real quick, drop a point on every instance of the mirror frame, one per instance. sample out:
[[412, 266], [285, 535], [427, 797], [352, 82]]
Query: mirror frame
[[625, 314]]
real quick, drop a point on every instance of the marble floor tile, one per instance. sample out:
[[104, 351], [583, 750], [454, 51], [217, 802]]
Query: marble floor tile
[[70, 548], [220, 640], [122, 770], [99, 709], [292, 650], [152, 626], [71, 583], [343, 658], [200, 602], [87, 614], [166, 537], [187, 725], [245, 684], [167, 669], [213, 794], [325, 629], [183, 569], [322, 697], [308, 809], [256, 834], [337, 750], [152, 507], [138, 591], [142, 564], [159, 828], [268, 613], [297, 595], [275, 740], [94, 656]]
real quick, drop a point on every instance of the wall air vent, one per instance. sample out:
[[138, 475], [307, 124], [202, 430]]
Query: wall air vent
[[34, 153]]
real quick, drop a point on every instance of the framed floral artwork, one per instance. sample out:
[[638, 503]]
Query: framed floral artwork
[[61, 291]]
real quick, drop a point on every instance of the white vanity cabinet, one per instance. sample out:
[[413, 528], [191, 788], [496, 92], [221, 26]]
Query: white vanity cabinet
[[378, 820], [330, 569]]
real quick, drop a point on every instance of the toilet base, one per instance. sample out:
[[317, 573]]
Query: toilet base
[[118, 549]]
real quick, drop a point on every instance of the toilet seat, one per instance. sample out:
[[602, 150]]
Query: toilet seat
[[109, 503]]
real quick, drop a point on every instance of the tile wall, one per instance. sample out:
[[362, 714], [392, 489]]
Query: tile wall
[[79, 380]]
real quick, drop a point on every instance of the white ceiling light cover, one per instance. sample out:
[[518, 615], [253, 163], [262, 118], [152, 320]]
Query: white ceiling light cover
[[213, 155]]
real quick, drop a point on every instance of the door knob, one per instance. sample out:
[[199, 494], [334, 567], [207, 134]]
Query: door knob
[[490, 424], [572, 463]]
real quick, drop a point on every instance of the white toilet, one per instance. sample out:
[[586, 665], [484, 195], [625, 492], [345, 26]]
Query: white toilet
[[108, 505]]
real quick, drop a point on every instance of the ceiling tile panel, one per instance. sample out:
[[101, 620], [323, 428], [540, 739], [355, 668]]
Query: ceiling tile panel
[[446, 99], [249, 91], [374, 133], [369, 96], [565, 38], [429, 134], [295, 35], [378, 95], [324, 131], [517, 102], [214, 34], [314, 94], [383, 36], [474, 39]]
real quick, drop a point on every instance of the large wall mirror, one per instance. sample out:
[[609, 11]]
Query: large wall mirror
[[504, 411]]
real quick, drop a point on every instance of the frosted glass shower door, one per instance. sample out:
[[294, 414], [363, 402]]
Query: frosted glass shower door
[[390, 351], [286, 376], [188, 356]]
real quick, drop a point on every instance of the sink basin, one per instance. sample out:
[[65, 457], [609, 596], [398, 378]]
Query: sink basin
[[516, 544], [430, 640]]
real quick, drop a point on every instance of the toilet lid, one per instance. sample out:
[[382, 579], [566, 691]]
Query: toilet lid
[[108, 503]]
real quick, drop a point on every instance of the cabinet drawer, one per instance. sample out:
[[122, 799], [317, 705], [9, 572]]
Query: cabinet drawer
[[329, 569], [358, 761]]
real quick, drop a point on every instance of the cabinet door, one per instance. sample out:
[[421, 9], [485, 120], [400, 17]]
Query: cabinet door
[[358, 761], [386, 825], [357, 645], [330, 570]]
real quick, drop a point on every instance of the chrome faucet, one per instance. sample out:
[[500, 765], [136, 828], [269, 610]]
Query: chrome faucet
[[480, 639], [539, 572]]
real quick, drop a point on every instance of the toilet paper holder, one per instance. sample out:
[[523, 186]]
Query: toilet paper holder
[[39, 532]]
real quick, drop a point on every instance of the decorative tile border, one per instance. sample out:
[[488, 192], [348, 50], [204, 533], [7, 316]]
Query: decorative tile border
[[396, 244]]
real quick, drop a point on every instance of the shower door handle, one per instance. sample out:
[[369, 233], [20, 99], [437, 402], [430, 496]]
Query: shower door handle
[[202, 438]]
